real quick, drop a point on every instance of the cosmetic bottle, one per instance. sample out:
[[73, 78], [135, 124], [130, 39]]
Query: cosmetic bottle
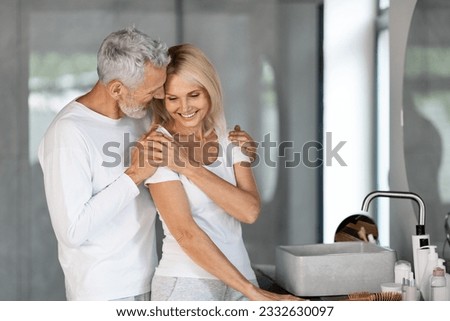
[[447, 277], [402, 269], [432, 262], [419, 268], [438, 285], [410, 292], [420, 243]]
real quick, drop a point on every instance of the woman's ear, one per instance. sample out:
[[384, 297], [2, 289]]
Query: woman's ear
[[115, 89]]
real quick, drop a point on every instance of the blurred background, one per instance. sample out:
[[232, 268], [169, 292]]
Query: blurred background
[[341, 96]]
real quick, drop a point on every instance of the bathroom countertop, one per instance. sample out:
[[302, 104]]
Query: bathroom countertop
[[265, 274]]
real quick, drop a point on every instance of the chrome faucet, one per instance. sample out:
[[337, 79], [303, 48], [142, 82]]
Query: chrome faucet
[[420, 228]]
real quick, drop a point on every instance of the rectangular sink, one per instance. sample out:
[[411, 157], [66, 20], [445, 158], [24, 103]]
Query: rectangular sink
[[333, 269]]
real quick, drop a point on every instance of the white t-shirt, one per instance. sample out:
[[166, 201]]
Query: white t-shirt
[[223, 229], [103, 222]]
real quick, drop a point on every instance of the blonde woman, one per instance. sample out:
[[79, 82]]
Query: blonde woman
[[203, 204]]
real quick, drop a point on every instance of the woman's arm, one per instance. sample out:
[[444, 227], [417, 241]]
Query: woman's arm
[[197, 244], [241, 201]]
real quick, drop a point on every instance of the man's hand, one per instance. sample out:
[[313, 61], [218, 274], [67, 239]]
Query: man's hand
[[168, 152], [143, 159], [245, 141]]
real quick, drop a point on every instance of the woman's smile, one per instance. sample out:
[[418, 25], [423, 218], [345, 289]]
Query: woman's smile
[[188, 104], [186, 115]]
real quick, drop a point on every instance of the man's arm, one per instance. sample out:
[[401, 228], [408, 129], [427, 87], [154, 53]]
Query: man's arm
[[142, 158], [77, 211], [242, 139]]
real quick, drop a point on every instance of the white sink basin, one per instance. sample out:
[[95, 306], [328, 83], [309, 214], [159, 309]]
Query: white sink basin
[[334, 269]]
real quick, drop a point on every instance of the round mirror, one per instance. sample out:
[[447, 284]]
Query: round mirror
[[357, 227]]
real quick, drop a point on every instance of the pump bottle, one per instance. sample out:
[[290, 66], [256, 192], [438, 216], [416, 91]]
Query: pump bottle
[[447, 277], [438, 285]]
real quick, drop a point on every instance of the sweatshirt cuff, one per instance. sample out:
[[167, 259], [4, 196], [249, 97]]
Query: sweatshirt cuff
[[128, 184]]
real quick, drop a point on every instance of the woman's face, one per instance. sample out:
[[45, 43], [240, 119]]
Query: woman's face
[[187, 103]]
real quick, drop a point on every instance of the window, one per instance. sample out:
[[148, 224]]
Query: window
[[266, 91]]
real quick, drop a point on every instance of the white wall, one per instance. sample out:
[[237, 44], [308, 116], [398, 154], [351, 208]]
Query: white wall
[[348, 102]]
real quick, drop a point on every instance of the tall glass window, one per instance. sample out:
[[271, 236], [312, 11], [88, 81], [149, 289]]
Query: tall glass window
[[268, 55], [62, 48]]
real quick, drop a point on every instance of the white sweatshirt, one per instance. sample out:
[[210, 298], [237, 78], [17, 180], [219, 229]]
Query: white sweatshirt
[[103, 222]]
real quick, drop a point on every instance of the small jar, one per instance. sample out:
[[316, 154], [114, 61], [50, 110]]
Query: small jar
[[401, 271]]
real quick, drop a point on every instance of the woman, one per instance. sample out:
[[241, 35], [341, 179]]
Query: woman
[[202, 223]]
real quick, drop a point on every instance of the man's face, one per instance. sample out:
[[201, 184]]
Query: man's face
[[135, 102]]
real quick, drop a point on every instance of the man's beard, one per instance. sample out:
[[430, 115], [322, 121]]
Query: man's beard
[[133, 110]]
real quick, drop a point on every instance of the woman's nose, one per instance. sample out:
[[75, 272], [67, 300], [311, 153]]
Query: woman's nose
[[184, 105]]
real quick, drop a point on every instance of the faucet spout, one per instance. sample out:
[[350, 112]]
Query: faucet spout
[[420, 228]]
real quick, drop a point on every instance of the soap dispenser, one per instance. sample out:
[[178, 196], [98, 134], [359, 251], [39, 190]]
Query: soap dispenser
[[447, 277], [438, 285], [425, 286]]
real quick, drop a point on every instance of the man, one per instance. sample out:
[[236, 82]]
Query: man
[[103, 217]]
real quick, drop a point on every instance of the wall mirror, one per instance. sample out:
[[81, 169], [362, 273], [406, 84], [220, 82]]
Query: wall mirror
[[426, 107]]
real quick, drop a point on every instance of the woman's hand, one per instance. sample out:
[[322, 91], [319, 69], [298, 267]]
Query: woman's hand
[[245, 141], [165, 151], [258, 294]]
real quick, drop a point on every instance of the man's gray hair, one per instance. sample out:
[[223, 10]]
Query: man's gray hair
[[124, 53]]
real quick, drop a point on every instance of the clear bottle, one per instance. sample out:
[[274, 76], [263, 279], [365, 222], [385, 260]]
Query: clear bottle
[[438, 285]]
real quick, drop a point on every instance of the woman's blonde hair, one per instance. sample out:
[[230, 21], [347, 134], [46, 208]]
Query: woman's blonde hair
[[189, 62]]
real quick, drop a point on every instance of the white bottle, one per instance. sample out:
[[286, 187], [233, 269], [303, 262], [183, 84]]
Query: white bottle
[[425, 286], [402, 269], [447, 277], [410, 292], [438, 285], [419, 268], [420, 245]]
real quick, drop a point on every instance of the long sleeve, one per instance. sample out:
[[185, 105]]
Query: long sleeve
[[78, 209]]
